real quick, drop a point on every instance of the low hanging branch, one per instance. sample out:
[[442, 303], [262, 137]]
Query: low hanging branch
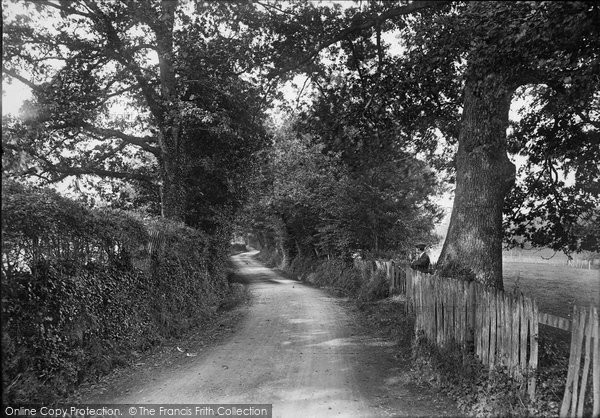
[[361, 24], [146, 142]]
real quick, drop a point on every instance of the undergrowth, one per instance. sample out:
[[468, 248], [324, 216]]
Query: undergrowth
[[482, 392], [237, 248], [334, 274]]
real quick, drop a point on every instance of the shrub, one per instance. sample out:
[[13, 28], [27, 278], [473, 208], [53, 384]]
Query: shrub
[[83, 288], [481, 392], [270, 257], [376, 288], [238, 248], [342, 276], [302, 267]]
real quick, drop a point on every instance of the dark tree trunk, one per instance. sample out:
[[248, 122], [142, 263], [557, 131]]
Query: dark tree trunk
[[171, 139], [173, 195], [484, 175], [174, 173]]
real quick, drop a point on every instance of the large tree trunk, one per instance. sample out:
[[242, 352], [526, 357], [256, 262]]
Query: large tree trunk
[[173, 189], [171, 139], [484, 175]]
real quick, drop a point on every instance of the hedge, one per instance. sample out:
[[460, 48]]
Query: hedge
[[83, 288]]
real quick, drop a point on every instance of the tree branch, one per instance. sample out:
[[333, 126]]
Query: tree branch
[[66, 171], [273, 7], [62, 8], [142, 142], [22, 79], [357, 62], [120, 54], [355, 28], [379, 48], [78, 171], [118, 93], [588, 120]]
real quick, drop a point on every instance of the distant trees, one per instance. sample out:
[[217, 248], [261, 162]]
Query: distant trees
[[313, 203]]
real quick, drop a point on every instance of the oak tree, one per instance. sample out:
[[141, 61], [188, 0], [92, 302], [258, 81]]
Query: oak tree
[[492, 50], [155, 92]]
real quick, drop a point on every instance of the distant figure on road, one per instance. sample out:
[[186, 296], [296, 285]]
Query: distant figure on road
[[422, 262]]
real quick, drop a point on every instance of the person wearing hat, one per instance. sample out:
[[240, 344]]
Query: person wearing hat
[[422, 262]]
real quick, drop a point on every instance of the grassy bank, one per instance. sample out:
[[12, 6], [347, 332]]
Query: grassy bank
[[334, 274]]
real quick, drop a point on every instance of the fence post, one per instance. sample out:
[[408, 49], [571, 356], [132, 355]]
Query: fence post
[[516, 340], [524, 326], [463, 313], [533, 347], [493, 326], [390, 275], [501, 336], [586, 363], [596, 363], [407, 288], [471, 310], [574, 360], [507, 329]]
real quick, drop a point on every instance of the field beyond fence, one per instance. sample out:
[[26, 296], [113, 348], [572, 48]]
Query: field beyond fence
[[547, 256], [556, 288]]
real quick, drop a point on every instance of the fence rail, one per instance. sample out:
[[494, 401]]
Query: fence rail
[[501, 328], [575, 263]]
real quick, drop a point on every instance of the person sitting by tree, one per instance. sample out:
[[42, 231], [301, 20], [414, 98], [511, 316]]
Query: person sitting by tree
[[422, 262]]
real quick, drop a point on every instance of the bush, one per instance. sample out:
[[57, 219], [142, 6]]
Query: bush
[[302, 267], [481, 392], [238, 248], [84, 288], [376, 288], [39, 224], [270, 257], [339, 275]]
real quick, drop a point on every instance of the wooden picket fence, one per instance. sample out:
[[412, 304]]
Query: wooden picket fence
[[585, 326], [500, 328]]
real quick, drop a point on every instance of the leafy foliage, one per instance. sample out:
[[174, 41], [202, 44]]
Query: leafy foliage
[[310, 201], [336, 274], [555, 204], [547, 54], [118, 94], [372, 101], [81, 289], [481, 392]]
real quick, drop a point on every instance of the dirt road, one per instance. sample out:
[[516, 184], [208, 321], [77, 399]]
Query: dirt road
[[298, 349]]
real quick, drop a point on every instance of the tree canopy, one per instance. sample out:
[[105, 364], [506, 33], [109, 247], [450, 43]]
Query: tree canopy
[[448, 92], [311, 202], [397, 91], [156, 93]]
